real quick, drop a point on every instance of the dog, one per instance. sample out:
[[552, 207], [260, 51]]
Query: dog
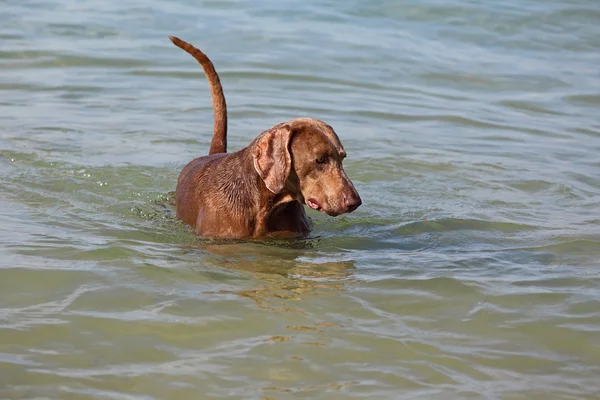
[[259, 191]]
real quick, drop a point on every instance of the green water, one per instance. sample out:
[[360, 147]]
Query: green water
[[471, 271]]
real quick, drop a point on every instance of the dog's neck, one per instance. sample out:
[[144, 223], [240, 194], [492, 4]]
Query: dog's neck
[[255, 206]]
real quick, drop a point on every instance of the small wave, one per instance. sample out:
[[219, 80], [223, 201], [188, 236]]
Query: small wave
[[456, 224]]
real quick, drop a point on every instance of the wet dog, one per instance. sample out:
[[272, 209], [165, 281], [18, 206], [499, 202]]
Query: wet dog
[[260, 191]]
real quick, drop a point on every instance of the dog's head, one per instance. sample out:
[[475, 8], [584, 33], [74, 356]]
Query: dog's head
[[303, 157]]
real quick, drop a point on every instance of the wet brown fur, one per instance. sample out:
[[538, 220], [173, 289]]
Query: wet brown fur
[[259, 191]]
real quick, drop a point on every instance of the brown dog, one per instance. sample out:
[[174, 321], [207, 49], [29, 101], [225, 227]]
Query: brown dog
[[259, 191]]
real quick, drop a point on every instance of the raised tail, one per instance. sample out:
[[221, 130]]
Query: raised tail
[[219, 140]]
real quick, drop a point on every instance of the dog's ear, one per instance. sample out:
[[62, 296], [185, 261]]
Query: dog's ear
[[272, 158]]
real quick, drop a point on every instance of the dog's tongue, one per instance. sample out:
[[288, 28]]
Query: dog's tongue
[[313, 204]]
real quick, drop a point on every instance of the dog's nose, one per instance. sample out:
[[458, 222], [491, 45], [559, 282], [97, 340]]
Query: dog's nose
[[351, 201]]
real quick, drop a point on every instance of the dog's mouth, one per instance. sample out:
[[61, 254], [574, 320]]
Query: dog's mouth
[[312, 203]]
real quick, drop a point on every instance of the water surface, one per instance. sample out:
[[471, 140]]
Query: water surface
[[470, 272]]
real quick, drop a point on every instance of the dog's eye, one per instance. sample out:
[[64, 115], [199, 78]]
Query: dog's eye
[[322, 160]]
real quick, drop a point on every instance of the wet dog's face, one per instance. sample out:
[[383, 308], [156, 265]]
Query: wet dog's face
[[303, 157], [317, 157]]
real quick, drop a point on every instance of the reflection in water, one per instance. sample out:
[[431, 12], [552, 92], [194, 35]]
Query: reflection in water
[[281, 269], [284, 274]]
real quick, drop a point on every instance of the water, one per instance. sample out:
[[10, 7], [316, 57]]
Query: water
[[470, 272]]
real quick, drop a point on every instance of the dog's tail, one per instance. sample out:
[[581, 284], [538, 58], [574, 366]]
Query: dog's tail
[[219, 140]]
